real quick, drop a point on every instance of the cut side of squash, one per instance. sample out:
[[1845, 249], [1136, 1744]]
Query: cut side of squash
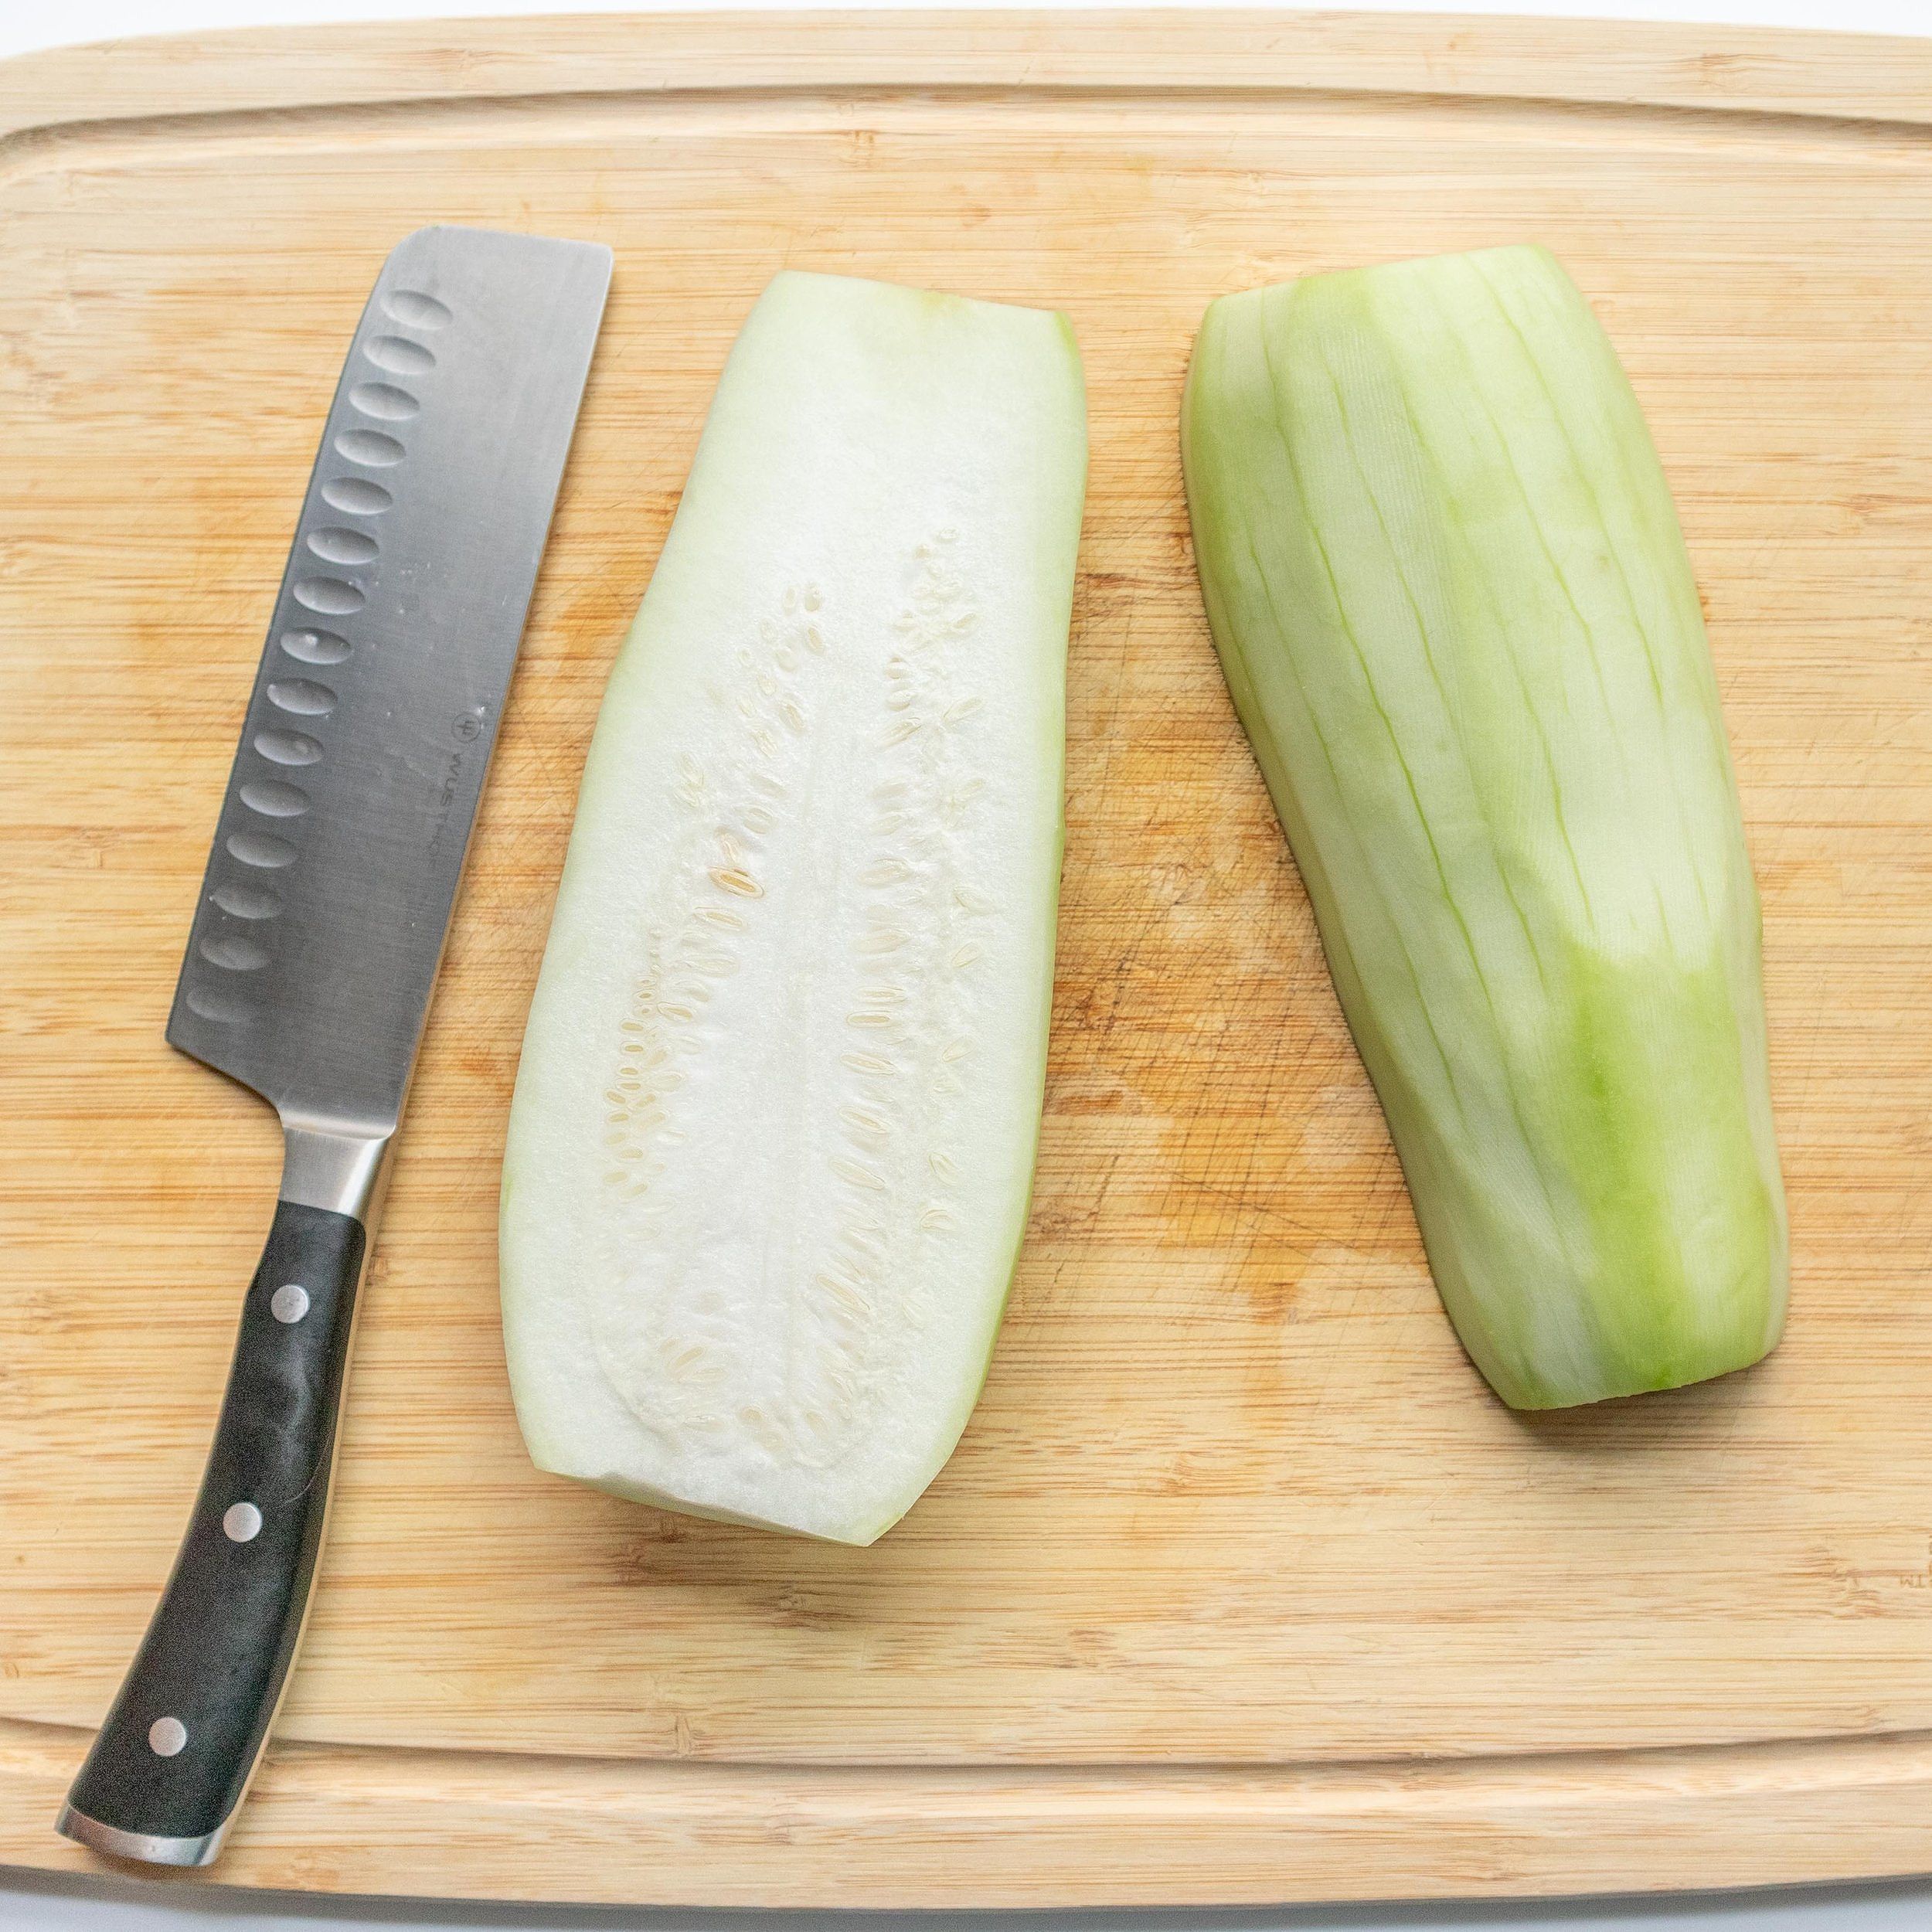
[[775, 1121]]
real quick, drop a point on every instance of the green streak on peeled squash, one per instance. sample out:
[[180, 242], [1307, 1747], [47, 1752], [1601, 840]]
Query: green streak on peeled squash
[[1450, 593]]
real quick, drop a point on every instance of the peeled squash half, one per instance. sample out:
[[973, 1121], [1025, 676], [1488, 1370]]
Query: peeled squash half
[[1449, 590], [775, 1121]]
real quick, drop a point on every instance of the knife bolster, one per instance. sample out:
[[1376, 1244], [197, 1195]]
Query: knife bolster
[[343, 1170]]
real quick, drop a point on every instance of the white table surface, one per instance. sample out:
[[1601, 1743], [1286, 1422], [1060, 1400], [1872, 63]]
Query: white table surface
[[30, 1903]]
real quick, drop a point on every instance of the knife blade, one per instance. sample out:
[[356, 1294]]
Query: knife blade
[[316, 944]]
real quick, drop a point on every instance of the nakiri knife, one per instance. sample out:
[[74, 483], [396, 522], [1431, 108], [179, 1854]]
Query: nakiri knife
[[316, 942]]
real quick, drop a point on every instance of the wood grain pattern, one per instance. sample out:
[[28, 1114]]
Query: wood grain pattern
[[1241, 1587]]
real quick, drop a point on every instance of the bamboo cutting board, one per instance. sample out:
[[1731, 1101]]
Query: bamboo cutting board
[[1241, 1587]]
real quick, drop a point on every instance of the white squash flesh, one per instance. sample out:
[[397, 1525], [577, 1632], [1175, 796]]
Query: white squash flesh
[[774, 1127]]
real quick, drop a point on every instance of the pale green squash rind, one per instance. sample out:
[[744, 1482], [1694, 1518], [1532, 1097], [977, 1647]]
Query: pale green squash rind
[[1547, 1084]]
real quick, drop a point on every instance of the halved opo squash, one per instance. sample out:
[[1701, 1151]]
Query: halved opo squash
[[774, 1126]]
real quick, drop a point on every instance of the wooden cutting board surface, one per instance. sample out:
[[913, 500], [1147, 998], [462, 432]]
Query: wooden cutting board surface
[[1240, 1586]]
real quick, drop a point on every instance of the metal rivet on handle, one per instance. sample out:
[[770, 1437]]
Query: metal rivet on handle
[[289, 1303], [167, 1736], [241, 1522]]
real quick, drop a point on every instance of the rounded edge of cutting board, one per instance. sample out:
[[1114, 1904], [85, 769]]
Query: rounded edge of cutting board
[[488, 1825], [143, 84]]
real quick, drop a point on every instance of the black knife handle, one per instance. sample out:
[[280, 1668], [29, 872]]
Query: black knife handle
[[176, 1751]]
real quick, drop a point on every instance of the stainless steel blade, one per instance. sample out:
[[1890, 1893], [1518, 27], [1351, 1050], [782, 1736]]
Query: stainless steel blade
[[341, 837]]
